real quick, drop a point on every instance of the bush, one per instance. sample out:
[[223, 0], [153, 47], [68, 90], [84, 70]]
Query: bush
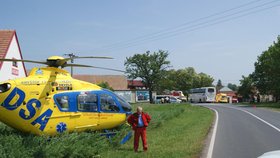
[[17, 144]]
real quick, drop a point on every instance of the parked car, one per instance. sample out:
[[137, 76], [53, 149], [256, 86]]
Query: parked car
[[221, 98], [271, 154], [234, 99], [174, 100], [160, 99]]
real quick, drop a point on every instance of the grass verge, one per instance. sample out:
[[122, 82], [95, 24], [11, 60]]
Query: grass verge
[[269, 105], [176, 130]]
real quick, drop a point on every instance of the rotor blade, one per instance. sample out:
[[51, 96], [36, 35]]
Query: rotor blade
[[93, 57], [96, 57], [62, 61], [76, 65], [29, 61], [104, 68]]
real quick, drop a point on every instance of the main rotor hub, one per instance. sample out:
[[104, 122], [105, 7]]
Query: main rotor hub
[[56, 61]]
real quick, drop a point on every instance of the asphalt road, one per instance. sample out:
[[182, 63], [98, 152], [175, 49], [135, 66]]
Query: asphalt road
[[245, 132]]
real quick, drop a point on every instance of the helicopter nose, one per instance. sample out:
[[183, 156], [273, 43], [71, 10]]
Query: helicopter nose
[[4, 91]]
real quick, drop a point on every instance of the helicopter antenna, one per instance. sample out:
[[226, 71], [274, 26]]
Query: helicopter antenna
[[71, 56]]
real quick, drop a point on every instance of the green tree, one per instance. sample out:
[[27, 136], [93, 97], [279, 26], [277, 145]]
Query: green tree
[[150, 67], [266, 76], [167, 82], [233, 87], [246, 89], [105, 85], [205, 80], [184, 79]]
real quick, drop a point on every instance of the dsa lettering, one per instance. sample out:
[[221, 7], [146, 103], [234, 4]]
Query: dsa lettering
[[31, 106]]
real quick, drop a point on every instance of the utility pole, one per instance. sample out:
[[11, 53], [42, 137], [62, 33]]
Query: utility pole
[[71, 55]]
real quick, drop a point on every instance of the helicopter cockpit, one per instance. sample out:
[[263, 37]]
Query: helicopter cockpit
[[91, 101]]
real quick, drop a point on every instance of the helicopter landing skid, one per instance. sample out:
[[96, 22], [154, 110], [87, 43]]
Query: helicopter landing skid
[[126, 138], [110, 134]]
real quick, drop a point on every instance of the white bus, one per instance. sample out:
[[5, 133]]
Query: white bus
[[203, 94]]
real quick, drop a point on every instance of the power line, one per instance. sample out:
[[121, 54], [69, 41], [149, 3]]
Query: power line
[[184, 24], [183, 29], [196, 26], [200, 26]]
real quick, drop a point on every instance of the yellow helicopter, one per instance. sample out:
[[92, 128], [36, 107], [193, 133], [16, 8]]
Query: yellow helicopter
[[49, 101]]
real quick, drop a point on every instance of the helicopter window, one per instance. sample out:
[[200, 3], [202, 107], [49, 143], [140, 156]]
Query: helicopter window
[[87, 102], [63, 102], [108, 103], [4, 87], [125, 105]]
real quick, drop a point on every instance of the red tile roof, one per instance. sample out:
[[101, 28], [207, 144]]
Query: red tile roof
[[135, 83], [117, 82], [6, 37]]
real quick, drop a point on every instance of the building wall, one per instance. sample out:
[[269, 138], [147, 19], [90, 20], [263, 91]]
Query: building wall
[[266, 98], [8, 71], [127, 95], [132, 96]]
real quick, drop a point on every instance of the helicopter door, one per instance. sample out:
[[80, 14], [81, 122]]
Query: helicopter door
[[110, 115], [66, 117], [87, 107]]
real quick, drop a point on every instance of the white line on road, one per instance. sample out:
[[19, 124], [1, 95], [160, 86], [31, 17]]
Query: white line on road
[[269, 124], [212, 142]]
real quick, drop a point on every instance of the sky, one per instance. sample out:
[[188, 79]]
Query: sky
[[222, 38]]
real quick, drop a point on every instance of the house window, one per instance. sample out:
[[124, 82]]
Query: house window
[[15, 64]]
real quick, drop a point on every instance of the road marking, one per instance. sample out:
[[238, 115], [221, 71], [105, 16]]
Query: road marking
[[269, 124], [262, 120], [213, 138]]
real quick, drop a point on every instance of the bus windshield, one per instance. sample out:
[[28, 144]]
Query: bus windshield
[[211, 90]]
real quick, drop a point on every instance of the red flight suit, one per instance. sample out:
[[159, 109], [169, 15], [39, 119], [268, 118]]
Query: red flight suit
[[139, 131]]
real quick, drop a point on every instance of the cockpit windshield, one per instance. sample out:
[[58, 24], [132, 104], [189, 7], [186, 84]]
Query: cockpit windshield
[[125, 105]]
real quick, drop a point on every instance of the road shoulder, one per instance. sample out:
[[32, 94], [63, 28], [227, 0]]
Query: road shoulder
[[207, 142]]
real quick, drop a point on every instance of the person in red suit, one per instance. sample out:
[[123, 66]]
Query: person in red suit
[[139, 121]]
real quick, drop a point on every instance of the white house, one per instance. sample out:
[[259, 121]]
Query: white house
[[9, 49]]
